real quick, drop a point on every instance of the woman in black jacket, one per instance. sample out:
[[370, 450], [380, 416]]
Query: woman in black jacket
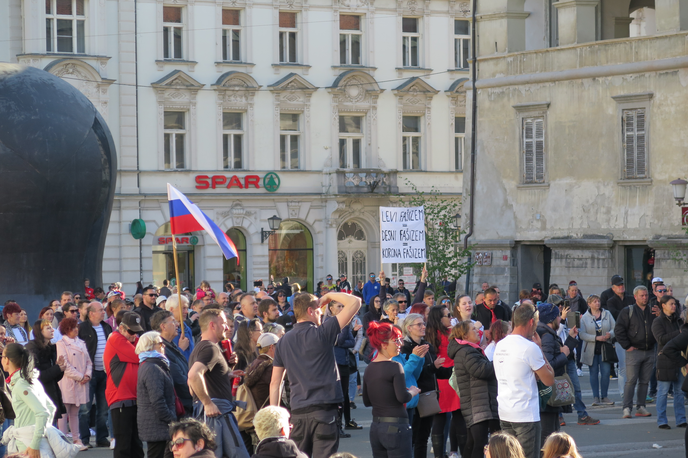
[[478, 386], [672, 351], [50, 367], [155, 394], [414, 333], [665, 327]]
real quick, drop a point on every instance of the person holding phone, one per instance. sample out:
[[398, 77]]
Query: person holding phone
[[597, 329]]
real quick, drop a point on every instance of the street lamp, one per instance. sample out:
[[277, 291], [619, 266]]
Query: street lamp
[[679, 187], [274, 224], [457, 221]]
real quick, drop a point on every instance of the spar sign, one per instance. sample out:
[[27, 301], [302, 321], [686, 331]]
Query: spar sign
[[402, 234]]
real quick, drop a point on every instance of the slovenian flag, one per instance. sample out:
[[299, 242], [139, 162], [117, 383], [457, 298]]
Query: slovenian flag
[[185, 216]]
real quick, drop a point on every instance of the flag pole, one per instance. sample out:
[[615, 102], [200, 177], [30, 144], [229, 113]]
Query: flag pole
[[179, 286]]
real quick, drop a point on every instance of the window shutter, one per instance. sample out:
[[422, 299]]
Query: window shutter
[[641, 150], [629, 143], [528, 151], [539, 142]]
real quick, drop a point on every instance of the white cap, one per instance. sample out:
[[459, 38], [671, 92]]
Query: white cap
[[113, 293], [657, 280], [266, 339], [160, 299]]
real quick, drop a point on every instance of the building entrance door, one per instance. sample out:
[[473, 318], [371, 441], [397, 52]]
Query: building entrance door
[[163, 268], [352, 248]]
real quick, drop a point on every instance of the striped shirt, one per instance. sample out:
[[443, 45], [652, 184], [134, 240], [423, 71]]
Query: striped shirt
[[98, 363]]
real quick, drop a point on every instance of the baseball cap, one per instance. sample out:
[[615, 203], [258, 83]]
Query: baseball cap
[[186, 288], [342, 276], [113, 293], [657, 280], [132, 320], [160, 299], [617, 280], [266, 339], [537, 286]]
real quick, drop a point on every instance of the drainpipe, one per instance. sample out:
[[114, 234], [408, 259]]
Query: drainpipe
[[474, 113], [136, 92]]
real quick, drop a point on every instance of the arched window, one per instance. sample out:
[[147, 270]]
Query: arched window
[[351, 252], [290, 251], [232, 271]]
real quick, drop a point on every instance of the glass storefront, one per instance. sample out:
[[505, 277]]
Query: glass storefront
[[233, 272], [290, 252], [163, 258], [640, 265]]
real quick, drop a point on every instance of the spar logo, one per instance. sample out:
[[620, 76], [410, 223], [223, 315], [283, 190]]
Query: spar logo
[[271, 182]]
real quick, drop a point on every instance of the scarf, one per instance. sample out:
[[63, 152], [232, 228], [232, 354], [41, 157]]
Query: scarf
[[494, 318], [474, 345], [21, 330], [144, 355]]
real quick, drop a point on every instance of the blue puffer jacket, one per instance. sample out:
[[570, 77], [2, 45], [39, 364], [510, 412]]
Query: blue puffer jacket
[[345, 340], [412, 369]]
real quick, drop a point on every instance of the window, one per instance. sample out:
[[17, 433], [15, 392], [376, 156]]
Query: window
[[350, 141], [350, 37], [411, 136], [289, 141], [231, 35], [287, 38], [534, 150], [634, 143], [462, 44], [175, 136], [459, 135], [172, 32], [410, 41], [65, 26], [232, 140]]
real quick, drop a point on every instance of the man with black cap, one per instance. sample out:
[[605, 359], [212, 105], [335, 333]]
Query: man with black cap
[[344, 285], [617, 302], [608, 293], [122, 367], [536, 293]]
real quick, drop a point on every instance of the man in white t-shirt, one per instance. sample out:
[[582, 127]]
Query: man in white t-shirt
[[517, 360]]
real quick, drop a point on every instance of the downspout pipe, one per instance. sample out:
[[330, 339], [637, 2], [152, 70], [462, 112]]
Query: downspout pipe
[[474, 113]]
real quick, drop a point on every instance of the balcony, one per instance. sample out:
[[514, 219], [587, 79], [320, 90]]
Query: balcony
[[367, 181]]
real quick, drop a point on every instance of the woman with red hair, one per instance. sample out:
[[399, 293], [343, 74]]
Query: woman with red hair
[[421, 308], [384, 388]]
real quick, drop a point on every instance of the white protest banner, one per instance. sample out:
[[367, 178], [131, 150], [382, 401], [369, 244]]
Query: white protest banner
[[402, 234]]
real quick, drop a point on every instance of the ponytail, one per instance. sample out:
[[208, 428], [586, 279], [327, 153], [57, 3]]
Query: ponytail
[[21, 358]]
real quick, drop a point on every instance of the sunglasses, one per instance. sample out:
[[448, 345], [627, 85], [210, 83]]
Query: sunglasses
[[152, 295], [73, 310], [661, 290], [402, 302], [130, 332], [178, 443], [372, 276]]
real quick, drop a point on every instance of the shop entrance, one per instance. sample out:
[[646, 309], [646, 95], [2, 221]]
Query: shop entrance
[[163, 258], [640, 266], [290, 253]]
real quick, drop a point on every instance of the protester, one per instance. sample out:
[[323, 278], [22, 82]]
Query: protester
[[633, 331], [422, 309], [50, 366], [24, 321], [371, 288], [478, 386], [437, 335], [154, 394], [122, 365], [617, 302], [205, 290], [247, 334], [273, 429], [259, 373], [344, 341], [518, 358], [306, 354], [500, 329], [147, 307], [249, 309], [191, 438], [384, 388], [77, 374], [664, 328], [111, 311], [489, 312], [560, 445], [374, 312], [504, 445], [11, 312], [94, 332], [185, 344], [463, 311], [167, 325], [597, 329], [31, 404], [432, 369], [390, 309], [674, 352]]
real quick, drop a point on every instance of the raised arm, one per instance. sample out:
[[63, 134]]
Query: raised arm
[[351, 306]]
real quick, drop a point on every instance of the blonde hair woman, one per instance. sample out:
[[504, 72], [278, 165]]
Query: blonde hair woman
[[503, 445], [560, 445]]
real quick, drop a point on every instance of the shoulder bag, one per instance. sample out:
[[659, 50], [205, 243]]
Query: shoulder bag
[[244, 417], [562, 392], [428, 404]]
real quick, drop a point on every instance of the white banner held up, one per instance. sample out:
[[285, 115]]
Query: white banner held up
[[402, 234]]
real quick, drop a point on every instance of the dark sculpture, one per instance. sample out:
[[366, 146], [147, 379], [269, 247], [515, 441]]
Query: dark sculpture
[[57, 182]]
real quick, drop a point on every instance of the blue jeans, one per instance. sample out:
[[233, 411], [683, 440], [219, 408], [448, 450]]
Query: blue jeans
[[571, 368], [97, 391], [3, 427], [679, 408], [353, 382], [621, 374], [604, 369]]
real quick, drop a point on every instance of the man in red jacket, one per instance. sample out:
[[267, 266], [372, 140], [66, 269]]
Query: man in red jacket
[[122, 367]]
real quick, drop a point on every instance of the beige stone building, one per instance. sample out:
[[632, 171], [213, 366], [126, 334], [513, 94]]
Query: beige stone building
[[580, 129]]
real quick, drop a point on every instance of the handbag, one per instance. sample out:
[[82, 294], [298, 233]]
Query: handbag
[[178, 406], [544, 394], [562, 392], [428, 404], [609, 353]]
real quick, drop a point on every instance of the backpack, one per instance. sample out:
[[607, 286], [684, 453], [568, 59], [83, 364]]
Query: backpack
[[244, 417]]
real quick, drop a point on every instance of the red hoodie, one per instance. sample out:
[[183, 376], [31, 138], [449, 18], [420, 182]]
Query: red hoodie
[[122, 368]]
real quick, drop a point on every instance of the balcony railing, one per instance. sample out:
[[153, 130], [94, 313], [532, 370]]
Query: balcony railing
[[366, 181]]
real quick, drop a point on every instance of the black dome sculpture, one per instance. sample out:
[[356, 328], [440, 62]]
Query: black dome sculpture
[[57, 181]]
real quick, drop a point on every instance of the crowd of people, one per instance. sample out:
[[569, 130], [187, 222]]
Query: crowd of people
[[274, 372]]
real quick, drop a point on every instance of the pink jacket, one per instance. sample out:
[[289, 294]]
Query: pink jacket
[[78, 365]]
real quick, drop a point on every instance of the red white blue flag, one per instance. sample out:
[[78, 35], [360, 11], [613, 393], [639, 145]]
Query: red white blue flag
[[185, 216]]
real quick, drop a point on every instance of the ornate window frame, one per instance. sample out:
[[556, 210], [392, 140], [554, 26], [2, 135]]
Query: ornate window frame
[[414, 98], [236, 91], [355, 92], [86, 79], [177, 91], [292, 94]]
